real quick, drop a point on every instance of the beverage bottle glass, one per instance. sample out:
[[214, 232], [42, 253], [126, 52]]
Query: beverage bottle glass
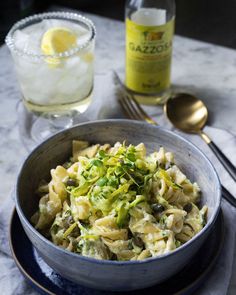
[[149, 34]]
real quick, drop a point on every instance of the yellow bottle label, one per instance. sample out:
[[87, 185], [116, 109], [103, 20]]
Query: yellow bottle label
[[148, 57]]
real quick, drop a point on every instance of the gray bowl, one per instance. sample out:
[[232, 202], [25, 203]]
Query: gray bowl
[[103, 274]]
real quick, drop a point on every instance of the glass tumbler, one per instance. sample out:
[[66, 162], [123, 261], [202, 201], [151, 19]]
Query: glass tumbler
[[53, 82]]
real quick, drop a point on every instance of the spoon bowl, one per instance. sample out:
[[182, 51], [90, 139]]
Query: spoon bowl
[[186, 112], [189, 114]]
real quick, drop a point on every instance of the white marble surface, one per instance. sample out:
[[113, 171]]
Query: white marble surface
[[203, 69]]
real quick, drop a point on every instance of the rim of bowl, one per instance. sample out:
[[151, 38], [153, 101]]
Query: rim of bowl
[[206, 228], [61, 15]]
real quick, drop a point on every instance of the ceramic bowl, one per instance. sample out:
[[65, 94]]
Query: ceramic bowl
[[103, 274]]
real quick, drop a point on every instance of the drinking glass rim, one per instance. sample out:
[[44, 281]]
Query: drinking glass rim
[[50, 15]]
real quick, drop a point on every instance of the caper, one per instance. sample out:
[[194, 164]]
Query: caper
[[113, 256], [162, 165], [71, 182], [188, 207], [157, 208], [137, 241], [130, 235]]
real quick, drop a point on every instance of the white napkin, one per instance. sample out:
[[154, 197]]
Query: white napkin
[[106, 106]]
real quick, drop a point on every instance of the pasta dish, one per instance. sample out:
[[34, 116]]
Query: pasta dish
[[119, 203]]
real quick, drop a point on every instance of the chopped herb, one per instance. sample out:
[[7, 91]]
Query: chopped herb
[[131, 157], [163, 219], [113, 181], [102, 153], [96, 162], [164, 234], [69, 230], [138, 200], [130, 245], [122, 215], [102, 181]]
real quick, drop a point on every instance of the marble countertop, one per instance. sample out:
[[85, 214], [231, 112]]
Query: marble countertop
[[203, 69]]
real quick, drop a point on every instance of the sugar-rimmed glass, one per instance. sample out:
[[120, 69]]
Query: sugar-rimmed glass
[[60, 90]]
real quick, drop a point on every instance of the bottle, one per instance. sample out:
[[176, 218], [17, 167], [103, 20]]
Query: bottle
[[149, 34]]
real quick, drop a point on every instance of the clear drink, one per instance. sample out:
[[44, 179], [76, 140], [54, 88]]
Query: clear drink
[[54, 60]]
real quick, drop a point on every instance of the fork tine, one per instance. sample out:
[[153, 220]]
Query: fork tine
[[133, 110], [123, 105], [146, 117], [128, 107]]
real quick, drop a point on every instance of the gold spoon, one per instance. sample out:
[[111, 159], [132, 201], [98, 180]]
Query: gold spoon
[[189, 114]]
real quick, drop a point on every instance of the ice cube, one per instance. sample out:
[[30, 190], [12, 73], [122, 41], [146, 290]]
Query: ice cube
[[84, 85], [51, 23], [68, 85], [41, 86], [50, 73], [21, 40], [72, 62], [34, 33], [81, 69], [25, 67], [35, 93]]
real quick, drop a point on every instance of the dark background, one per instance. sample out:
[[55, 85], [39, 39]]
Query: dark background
[[207, 20]]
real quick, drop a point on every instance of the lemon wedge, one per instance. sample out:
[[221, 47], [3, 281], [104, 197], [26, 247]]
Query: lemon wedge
[[57, 40]]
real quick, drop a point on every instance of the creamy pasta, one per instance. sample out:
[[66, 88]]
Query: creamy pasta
[[119, 203]]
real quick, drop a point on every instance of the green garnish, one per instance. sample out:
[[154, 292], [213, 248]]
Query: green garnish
[[102, 153], [161, 173], [122, 215], [138, 200], [102, 181], [69, 230], [96, 162], [131, 157]]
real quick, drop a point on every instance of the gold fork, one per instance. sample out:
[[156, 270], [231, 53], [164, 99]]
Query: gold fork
[[130, 105]]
